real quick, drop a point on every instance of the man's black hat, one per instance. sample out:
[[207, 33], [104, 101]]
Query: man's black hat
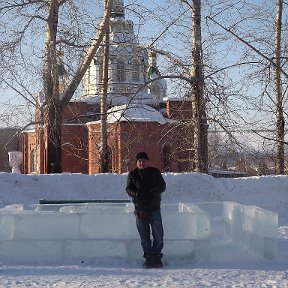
[[142, 155]]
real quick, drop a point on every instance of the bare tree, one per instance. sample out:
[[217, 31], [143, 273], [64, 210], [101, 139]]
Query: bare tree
[[54, 103], [198, 100], [280, 122], [252, 30], [235, 56], [104, 160], [198, 122]]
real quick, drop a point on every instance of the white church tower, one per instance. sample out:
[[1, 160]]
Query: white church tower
[[128, 66]]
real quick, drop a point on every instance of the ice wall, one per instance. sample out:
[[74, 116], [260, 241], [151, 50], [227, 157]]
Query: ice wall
[[82, 233], [44, 234], [249, 227]]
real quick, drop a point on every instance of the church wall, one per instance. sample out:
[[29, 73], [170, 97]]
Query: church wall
[[25, 143], [168, 145], [126, 139], [150, 137], [77, 112], [26, 146], [114, 147], [93, 152], [179, 109], [74, 149], [165, 144]]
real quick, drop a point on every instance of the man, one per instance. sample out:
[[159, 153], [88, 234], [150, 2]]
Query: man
[[145, 185]]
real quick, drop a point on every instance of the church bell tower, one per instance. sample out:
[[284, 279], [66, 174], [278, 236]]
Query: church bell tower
[[128, 65]]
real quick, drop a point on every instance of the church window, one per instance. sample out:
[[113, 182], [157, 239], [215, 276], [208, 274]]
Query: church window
[[100, 72], [135, 72], [166, 158], [33, 160], [87, 81], [121, 75]]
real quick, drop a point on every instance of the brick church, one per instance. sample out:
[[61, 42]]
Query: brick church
[[139, 116]]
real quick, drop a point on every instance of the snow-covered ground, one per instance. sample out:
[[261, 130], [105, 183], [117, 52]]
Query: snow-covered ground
[[268, 192]]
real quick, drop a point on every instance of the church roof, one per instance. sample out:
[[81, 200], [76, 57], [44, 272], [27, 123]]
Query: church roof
[[135, 113]]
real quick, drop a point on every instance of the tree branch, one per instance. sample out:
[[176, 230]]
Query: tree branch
[[20, 93], [70, 90], [269, 138], [270, 60], [22, 4]]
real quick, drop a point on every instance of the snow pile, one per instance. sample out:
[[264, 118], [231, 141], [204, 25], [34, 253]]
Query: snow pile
[[135, 112], [268, 192]]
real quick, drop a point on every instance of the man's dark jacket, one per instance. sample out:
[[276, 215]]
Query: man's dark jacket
[[145, 187]]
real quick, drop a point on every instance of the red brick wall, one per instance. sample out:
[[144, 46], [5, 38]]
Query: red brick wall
[[26, 145], [80, 146], [74, 148], [178, 109], [126, 139], [93, 155], [168, 145], [141, 136], [76, 112]]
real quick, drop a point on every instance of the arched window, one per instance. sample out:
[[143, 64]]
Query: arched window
[[100, 72], [88, 80], [109, 159], [33, 161], [166, 158], [121, 75], [135, 71]]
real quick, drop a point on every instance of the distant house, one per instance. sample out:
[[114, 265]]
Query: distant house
[[139, 118], [8, 142]]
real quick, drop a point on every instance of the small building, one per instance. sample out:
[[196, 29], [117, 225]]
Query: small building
[[8, 142]]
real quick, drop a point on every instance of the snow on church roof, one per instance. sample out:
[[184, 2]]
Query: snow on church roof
[[135, 113]]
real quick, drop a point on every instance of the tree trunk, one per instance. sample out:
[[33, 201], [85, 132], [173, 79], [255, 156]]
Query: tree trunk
[[198, 101], [53, 113], [104, 146], [71, 88], [54, 107], [280, 124]]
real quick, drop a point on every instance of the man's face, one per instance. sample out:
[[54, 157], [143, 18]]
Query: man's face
[[142, 163]]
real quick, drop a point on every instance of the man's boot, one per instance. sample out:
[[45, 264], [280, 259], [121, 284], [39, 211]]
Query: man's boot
[[157, 261], [149, 263]]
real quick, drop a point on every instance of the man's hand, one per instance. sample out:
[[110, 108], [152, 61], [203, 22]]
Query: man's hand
[[142, 214]]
